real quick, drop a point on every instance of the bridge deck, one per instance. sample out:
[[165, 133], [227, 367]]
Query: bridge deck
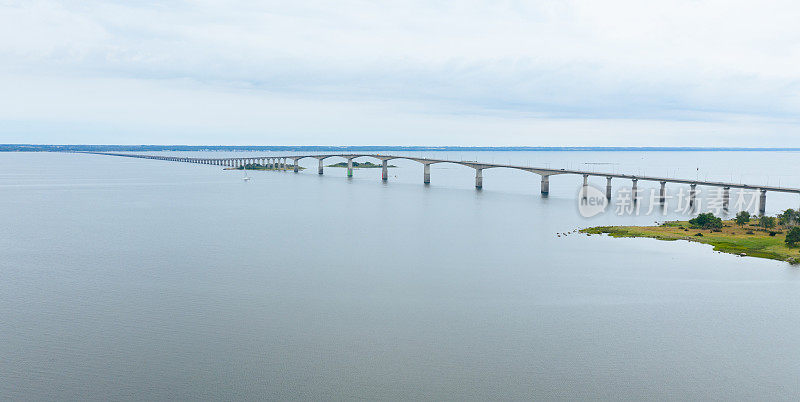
[[475, 165]]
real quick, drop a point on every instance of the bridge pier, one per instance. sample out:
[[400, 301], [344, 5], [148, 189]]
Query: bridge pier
[[296, 166], [635, 190], [349, 167], [545, 186], [283, 164], [692, 194], [585, 187], [384, 169], [726, 198], [478, 178], [426, 176], [662, 194], [608, 188], [320, 169], [762, 202]]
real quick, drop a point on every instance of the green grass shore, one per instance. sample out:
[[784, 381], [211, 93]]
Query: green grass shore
[[749, 240]]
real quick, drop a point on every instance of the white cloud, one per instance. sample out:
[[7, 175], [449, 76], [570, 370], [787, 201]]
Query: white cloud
[[597, 73]]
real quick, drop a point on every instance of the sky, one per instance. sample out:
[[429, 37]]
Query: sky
[[352, 72]]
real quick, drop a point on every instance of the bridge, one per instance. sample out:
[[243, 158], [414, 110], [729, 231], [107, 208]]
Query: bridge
[[285, 162]]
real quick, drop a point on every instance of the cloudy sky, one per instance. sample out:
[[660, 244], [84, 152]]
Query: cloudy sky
[[539, 73]]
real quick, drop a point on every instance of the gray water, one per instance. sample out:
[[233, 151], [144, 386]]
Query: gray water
[[138, 279]]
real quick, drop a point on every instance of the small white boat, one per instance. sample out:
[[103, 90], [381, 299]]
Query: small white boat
[[246, 177]]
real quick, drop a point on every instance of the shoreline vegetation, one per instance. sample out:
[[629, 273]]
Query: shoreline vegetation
[[262, 167], [776, 238], [359, 165]]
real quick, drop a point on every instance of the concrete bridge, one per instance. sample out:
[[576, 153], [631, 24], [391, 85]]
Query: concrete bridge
[[291, 162]]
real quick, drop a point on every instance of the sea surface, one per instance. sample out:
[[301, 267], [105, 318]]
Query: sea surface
[[134, 279]]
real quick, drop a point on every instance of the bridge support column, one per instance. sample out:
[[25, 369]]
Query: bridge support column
[[635, 190], [545, 187], [692, 194], [426, 176], [384, 169], [608, 188], [478, 178], [762, 202], [585, 187], [349, 167], [662, 194], [283, 164], [726, 198], [320, 169], [296, 167]]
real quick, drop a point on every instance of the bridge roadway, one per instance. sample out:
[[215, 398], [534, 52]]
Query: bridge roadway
[[280, 163]]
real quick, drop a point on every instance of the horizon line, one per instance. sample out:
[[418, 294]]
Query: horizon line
[[183, 147]]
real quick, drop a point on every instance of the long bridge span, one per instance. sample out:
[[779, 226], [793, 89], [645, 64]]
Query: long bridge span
[[285, 162]]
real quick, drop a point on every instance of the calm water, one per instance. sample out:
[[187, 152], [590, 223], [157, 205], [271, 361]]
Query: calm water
[[140, 280]]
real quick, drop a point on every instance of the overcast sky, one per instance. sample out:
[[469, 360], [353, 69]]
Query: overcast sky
[[344, 72]]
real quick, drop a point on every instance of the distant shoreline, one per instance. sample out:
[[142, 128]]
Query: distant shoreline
[[261, 167], [356, 148], [359, 165]]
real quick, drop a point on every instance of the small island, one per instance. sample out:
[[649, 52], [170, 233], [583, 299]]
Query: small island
[[776, 238], [256, 166], [359, 165]]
